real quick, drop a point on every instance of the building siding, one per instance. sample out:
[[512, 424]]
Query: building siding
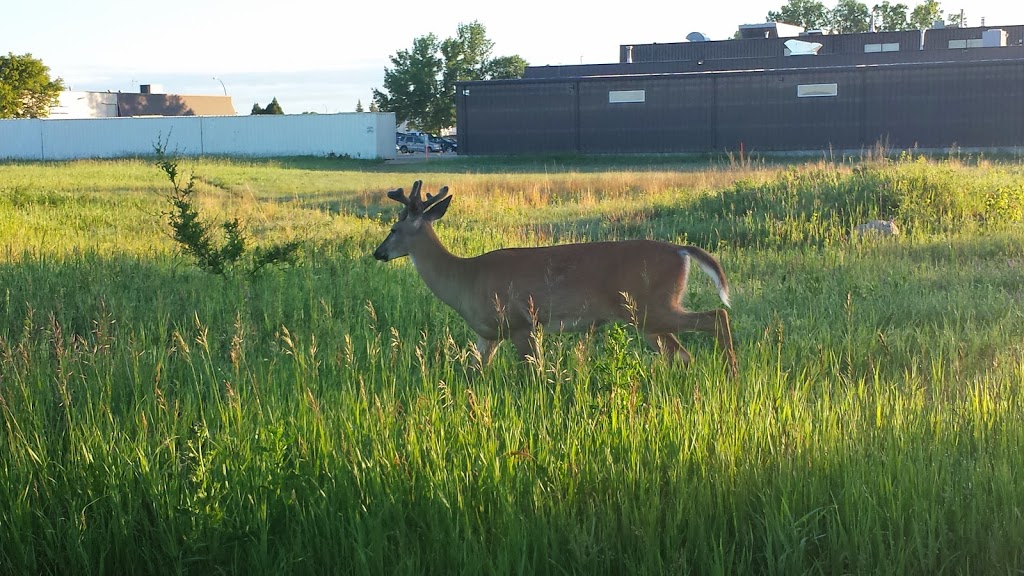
[[971, 103], [359, 135]]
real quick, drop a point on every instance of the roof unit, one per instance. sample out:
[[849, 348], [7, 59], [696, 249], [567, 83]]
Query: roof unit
[[769, 30]]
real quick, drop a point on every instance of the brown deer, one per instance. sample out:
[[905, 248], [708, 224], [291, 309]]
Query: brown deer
[[571, 287]]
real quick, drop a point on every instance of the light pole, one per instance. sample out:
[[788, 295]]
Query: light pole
[[221, 85]]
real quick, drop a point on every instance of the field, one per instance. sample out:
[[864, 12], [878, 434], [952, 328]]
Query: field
[[323, 417]]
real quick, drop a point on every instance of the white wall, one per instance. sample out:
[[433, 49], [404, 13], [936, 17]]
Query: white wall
[[21, 139], [85, 105], [359, 135]]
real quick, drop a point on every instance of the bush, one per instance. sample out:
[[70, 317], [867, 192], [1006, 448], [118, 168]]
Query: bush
[[821, 204]]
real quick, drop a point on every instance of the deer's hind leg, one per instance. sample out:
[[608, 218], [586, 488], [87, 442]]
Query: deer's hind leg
[[713, 322], [668, 345]]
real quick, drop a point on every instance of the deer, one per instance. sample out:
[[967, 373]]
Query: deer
[[510, 292]]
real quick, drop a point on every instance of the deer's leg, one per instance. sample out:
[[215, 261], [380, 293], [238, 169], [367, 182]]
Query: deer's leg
[[669, 345], [486, 349], [714, 322], [525, 343]]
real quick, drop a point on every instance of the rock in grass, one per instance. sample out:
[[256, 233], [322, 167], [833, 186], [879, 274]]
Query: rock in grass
[[878, 227]]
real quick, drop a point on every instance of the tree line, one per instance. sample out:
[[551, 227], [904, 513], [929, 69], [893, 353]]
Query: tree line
[[850, 16]]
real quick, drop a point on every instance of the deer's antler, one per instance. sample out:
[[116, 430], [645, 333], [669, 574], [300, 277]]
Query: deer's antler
[[413, 203]]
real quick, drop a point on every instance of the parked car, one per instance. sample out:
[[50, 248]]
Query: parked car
[[408, 143], [446, 144]]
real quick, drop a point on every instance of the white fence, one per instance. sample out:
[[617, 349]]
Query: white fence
[[359, 135]]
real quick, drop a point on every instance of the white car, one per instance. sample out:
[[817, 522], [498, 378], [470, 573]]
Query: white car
[[408, 143]]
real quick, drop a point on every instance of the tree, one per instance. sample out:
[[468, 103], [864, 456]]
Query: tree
[[924, 15], [412, 84], [26, 89], [810, 14], [272, 108], [420, 86], [894, 16], [374, 107], [848, 17], [359, 105], [505, 68]]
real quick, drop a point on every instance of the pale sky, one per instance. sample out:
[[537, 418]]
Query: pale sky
[[325, 56]]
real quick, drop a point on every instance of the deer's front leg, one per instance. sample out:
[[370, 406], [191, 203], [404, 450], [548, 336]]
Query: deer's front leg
[[525, 343], [485, 348]]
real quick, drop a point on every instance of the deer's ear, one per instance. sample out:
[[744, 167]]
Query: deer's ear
[[437, 210]]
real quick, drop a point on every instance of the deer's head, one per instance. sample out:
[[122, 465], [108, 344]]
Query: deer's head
[[412, 220]]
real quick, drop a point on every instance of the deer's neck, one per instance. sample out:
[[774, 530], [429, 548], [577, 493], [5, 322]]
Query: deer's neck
[[442, 271]]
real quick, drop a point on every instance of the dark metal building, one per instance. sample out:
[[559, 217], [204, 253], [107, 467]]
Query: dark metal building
[[932, 89]]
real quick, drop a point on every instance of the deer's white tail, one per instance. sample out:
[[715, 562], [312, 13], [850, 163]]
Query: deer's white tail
[[711, 267]]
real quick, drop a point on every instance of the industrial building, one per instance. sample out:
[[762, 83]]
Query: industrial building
[[150, 100], [775, 88]]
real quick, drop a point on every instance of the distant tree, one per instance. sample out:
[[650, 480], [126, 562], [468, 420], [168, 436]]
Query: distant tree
[[359, 105], [955, 19], [420, 86], [373, 107], [893, 16], [273, 107], [924, 15], [848, 17], [810, 14], [26, 88], [505, 68]]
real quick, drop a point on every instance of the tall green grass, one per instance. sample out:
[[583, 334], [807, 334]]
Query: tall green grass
[[323, 418]]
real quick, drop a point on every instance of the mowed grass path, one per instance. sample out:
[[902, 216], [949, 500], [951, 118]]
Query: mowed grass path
[[321, 419]]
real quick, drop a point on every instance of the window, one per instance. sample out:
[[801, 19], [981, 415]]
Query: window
[[626, 96], [816, 90], [969, 43], [887, 47]]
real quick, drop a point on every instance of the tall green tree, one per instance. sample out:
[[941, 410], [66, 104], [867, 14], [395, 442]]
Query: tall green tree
[[359, 105], [925, 14], [420, 86], [893, 16], [26, 88], [413, 83], [848, 17], [810, 14]]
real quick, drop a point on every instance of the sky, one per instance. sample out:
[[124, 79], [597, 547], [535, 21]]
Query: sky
[[317, 56]]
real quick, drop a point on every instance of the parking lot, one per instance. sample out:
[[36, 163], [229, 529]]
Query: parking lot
[[417, 157]]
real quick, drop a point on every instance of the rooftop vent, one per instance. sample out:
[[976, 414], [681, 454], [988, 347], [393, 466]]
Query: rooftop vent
[[801, 48], [769, 30], [697, 37]]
